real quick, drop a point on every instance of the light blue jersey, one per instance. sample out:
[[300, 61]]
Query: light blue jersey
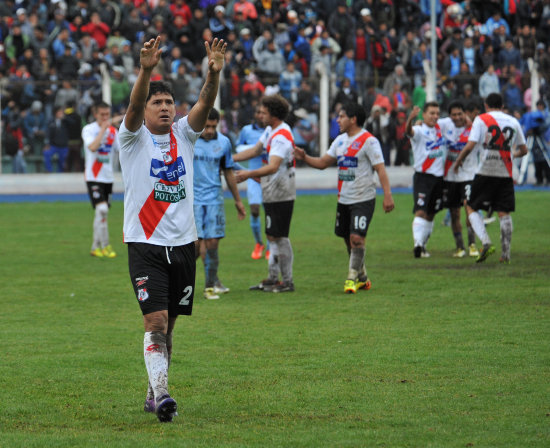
[[210, 158], [250, 134]]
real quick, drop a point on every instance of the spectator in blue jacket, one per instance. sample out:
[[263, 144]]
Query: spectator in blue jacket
[[509, 55], [511, 93], [35, 127]]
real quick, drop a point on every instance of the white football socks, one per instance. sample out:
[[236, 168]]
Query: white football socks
[[479, 227], [422, 229], [156, 361], [506, 228]]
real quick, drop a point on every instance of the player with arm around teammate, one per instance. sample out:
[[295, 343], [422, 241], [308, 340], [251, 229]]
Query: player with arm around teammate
[[499, 137], [156, 157], [212, 155], [428, 146], [457, 186], [100, 142], [278, 189], [358, 154]]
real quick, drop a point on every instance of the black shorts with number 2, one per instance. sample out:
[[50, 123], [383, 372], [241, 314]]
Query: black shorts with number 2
[[163, 277], [353, 218]]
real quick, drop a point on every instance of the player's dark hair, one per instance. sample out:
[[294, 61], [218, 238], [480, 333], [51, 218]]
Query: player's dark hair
[[456, 104], [494, 101], [472, 105], [276, 105], [430, 104], [214, 114], [353, 109], [160, 87], [100, 105]]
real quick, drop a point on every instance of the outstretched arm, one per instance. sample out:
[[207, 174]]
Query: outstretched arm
[[232, 185], [149, 57], [249, 153], [316, 162], [199, 112]]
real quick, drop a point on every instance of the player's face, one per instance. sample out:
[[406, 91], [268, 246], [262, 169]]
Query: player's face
[[258, 116], [344, 121], [209, 130], [160, 111], [102, 114], [458, 117], [265, 117], [431, 116]]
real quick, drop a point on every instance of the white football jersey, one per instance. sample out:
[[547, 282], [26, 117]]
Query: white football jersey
[[158, 185], [99, 164], [456, 139], [496, 134], [355, 157], [279, 186], [429, 150]]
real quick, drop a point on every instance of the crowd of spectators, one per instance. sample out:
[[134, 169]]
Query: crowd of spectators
[[52, 54]]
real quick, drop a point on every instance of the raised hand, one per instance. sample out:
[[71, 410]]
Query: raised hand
[[149, 56], [216, 54]]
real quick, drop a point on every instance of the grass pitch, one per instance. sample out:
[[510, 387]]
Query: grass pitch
[[439, 353]]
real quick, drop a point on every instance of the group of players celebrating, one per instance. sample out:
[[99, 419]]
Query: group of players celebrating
[[173, 202], [465, 160]]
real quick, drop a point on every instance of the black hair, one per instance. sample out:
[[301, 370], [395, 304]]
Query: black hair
[[473, 105], [430, 104], [355, 110], [494, 100], [160, 87], [100, 105], [214, 114], [456, 104], [276, 105]]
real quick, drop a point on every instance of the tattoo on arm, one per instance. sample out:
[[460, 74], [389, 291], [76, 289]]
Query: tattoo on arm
[[206, 92]]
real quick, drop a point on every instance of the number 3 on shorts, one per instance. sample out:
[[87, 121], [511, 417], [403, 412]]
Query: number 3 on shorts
[[186, 293]]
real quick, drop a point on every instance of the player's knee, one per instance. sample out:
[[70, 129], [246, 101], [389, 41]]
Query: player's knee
[[103, 209], [356, 240], [156, 321]]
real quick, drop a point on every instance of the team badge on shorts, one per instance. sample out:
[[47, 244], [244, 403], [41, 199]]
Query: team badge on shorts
[[143, 295]]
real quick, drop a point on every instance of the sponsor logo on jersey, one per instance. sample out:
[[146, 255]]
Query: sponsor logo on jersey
[[169, 193], [346, 176], [347, 162], [169, 173]]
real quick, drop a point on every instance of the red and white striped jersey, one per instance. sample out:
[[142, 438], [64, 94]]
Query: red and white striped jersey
[[456, 139], [496, 134], [355, 157], [429, 150], [279, 186], [99, 164], [158, 185]]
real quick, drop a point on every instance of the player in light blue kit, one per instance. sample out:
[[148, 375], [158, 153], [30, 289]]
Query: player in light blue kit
[[248, 137], [212, 155]]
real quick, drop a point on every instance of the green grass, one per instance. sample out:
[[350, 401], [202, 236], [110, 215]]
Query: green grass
[[439, 353]]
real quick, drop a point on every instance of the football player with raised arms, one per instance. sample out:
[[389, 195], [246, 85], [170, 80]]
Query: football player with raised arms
[[156, 156]]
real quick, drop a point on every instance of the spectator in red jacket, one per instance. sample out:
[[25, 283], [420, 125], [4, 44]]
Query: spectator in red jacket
[[97, 29]]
